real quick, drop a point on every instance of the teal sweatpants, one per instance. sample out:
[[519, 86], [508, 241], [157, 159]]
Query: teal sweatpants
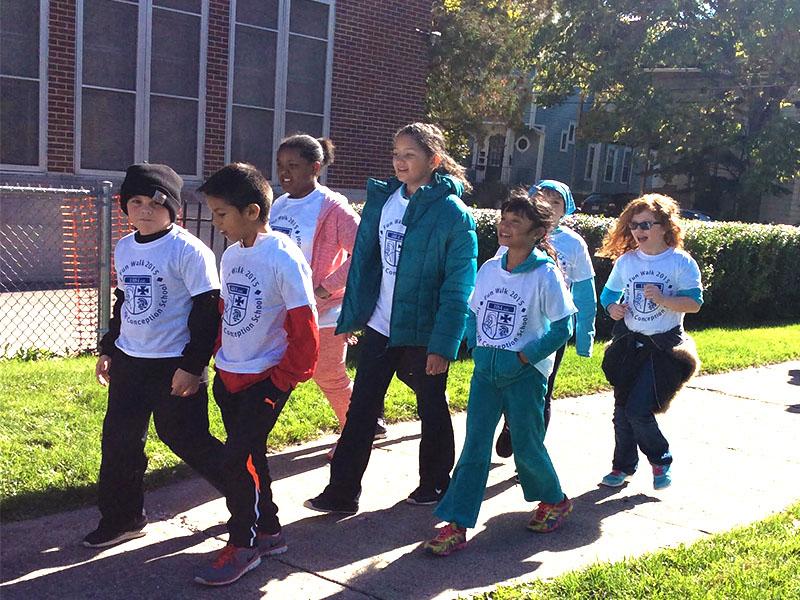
[[522, 401]]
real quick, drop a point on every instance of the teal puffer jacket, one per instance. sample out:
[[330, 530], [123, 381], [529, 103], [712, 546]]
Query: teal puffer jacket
[[435, 272]]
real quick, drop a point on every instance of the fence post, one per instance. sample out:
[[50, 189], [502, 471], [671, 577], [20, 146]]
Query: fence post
[[104, 260]]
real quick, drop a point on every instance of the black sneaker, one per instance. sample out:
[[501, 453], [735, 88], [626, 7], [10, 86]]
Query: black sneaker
[[422, 497], [105, 536], [503, 444], [380, 430], [324, 504]]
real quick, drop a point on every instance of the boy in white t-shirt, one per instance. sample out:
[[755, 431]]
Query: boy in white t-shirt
[[155, 353], [520, 314], [269, 343]]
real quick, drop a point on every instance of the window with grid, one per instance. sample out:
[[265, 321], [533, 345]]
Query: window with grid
[[141, 76], [610, 173], [23, 83], [280, 75], [627, 160]]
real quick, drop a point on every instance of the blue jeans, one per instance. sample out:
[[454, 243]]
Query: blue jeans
[[636, 425]]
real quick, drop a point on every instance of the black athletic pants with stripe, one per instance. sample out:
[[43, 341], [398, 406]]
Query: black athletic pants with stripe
[[249, 416], [140, 387]]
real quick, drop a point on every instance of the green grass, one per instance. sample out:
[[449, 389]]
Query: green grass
[[757, 562], [51, 414]]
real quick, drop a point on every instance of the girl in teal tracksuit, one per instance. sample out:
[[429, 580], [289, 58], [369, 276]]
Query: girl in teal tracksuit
[[520, 314], [411, 275]]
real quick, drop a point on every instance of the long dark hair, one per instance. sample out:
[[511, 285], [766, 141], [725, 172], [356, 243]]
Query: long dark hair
[[311, 149], [431, 139], [538, 210]]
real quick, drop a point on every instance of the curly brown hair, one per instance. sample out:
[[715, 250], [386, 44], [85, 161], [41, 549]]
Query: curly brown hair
[[619, 239]]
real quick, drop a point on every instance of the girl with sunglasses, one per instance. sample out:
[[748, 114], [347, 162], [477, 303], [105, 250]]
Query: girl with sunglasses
[[653, 283]]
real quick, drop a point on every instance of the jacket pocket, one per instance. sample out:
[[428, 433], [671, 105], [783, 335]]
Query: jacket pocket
[[508, 365]]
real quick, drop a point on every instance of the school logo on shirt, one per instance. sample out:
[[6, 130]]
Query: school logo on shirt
[[640, 303], [289, 227], [236, 307], [498, 320], [393, 244], [138, 293]]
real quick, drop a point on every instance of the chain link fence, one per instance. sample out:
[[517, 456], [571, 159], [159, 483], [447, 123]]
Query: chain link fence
[[54, 268]]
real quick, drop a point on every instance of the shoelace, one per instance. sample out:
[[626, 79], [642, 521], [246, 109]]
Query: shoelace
[[446, 532], [225, 556]]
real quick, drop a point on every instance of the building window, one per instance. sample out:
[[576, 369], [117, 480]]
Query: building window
[[627, 158], [571, 132], [23, 89], [140, 84], [280, 70], [592, 153], [610, 173], [523, 143], [564, 141]]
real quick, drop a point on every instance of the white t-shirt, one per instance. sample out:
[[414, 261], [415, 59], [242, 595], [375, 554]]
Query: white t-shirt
[[391, 234], [259, 285], [572, 253], [671, 271], [514, 309], [159, 279], [297, 218]]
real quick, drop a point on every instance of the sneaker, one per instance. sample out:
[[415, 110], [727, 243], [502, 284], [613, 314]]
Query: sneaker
[[105, 536], [616, 478], [228, 565], [380, 430], [422, 497], [450, 538], [503, 444], [325, 505], [271, 544], [549, 517], [661, 477]]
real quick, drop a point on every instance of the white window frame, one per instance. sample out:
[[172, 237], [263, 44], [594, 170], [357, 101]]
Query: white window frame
[[627, 155], [44, 16], [592, 162], [564, 143], [611, 153], [281, 73], [141, 133]]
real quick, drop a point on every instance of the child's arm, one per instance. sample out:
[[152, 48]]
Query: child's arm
[[347, 221], [610, 300], [203, 324], [106, 345], [686, 301], [300, 359], [583, 295], [471, 334], [560, 331]]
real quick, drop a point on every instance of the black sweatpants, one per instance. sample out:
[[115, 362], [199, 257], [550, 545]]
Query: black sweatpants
[[249, 416], [376, 365], [139, 387]]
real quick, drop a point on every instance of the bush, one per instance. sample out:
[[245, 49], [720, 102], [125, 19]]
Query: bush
[[751, 272]]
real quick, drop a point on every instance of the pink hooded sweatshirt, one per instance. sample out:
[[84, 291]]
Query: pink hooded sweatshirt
[[332, 246]]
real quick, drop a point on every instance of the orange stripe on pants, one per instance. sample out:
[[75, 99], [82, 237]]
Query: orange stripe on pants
[[252, 470]]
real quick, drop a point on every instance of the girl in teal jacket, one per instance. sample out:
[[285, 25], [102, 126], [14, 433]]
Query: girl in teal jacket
[[411, 276]]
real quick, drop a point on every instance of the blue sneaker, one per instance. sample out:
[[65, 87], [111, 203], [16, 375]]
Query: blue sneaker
[[228, 565], [616, 478], [270, 544], [661, 477]]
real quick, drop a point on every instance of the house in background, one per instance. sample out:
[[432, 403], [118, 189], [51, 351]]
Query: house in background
[[88, 87], [545, 146]]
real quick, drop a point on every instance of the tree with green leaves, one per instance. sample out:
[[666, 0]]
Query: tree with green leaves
[[481, 65], [711, 86]]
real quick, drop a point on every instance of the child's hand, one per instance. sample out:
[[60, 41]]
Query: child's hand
[[617, 310], [101, 369], [322, 293], [436, 364], [651, 292], [184, 383]]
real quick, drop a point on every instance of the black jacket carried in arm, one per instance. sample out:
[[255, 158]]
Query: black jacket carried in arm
[[673, 354]]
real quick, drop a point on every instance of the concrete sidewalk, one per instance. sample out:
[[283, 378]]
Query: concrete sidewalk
[[737, 459]]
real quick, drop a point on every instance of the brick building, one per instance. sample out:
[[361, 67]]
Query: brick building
[[90, 86]]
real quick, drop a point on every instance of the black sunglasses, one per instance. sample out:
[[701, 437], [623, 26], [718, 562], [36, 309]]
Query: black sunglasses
[[643, 225]]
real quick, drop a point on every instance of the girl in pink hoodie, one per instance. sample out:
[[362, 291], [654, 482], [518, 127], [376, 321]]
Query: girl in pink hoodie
[[322, 223]]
